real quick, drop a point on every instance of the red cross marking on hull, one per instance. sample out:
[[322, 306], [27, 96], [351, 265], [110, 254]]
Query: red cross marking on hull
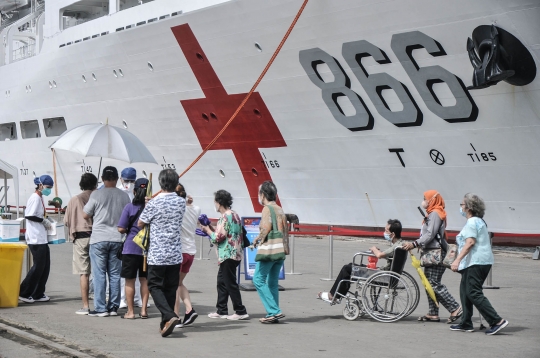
[[252, 129]]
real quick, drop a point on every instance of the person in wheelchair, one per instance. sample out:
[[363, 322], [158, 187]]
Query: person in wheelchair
[[392, 233]]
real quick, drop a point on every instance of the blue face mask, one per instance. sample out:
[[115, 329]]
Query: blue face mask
[[46, 191], [387, 237], [463, 213]]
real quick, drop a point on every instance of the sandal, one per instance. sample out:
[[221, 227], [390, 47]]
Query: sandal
[[143, 316], [428, 319], [271, 319], [124, 317], [324, 296], [452, 319]]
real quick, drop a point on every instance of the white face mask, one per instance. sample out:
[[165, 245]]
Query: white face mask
[[128, 186], [424, 204], [217, 208], [261, 200]]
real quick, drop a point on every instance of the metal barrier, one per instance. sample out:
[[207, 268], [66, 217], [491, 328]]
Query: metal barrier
[[291, 253], [201, 245], [331, 258]]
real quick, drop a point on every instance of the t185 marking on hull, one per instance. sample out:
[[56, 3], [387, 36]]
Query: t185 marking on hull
[[486, 157], [423, 78]]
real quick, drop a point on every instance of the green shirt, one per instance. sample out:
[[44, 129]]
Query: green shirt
[[389, 253], [228, 237]]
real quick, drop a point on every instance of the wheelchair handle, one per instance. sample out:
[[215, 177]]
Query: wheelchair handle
[[362, 254]]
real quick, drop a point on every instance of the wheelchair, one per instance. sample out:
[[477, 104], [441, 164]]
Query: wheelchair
[[386, 296]]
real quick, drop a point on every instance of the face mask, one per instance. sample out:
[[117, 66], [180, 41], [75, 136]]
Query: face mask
[[46, 191], [260, 201], [424, 204], [463, 213], [217, 208], [128, 186], [387, 237]]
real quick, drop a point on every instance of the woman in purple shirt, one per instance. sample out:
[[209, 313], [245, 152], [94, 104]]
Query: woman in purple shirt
[[132, 255]]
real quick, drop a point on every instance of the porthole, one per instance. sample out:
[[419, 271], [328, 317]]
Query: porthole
[[222, 173], [150, 66], [84, 78], [50, 84], [114, 73], [94, 77], [254, 171], [200, 57], [258, 47], [213, 116], [257, 113], [205, 116], [120, 72], [54, 84], [124, 123]]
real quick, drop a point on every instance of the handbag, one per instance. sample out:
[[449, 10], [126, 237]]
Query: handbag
[[451, 255], [431, 257], [142, 239], [130, 225], [272, 248]]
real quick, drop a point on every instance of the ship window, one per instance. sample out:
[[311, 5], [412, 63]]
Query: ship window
[[222, 173], [120, 72], [114, 73], [119, 29], [69, 43], [30, 129], [94, 36], [258, 47], [152, 20], [54, 126], [54, 83], [177, 13], [8, 131], [50, 84], [94, 77], [104, 33], [86, 38], [129, 26], [150, 66], [77, 41], [62, 45], [84, 78], [124, 123], [141, 23], [164, 17]]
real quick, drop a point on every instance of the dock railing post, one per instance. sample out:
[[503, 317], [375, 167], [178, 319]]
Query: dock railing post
[[331, 258], [291, 248], [201, 245], [489, 279]]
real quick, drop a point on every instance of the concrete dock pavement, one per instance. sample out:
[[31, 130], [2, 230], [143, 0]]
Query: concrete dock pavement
[[312, 328]]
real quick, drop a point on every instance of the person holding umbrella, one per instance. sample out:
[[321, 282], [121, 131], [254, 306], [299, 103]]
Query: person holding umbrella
[[33, 287], [432, 237]]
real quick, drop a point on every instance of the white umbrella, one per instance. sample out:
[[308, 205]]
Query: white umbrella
[[105, 141]]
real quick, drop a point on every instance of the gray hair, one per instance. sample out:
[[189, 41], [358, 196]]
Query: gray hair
[[475, 204], [168, 180]]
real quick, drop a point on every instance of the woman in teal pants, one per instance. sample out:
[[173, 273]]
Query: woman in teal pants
[[267, 272]]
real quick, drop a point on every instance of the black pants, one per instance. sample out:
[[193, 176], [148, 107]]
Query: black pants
[[344, 274], [163, 283], [227, 286], [471, 294], [36, 279]]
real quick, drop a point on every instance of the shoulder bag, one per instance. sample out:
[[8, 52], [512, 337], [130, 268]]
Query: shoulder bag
[[272, 248], [434, 257], [130, 225]]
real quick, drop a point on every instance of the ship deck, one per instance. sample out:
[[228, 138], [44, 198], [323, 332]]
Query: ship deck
[[311, 328]]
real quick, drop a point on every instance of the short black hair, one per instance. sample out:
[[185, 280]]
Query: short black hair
[[223, 198], [168, 180], [88, 181], [269, 190], [109, 174], [181, 191], [395, 227]]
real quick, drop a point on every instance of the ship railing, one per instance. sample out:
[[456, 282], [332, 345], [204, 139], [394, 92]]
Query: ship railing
[[23, 14], [24, 52]]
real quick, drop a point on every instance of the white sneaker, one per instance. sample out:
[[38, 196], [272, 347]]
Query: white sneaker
[[238, 317], [45, 298], [123, 304], [26, 299], [83, 311], [216, 315]]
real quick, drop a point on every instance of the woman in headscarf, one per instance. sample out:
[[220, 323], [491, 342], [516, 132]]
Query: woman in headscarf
[[432, 237]]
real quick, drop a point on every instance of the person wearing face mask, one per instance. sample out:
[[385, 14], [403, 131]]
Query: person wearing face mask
[[432, 236], [228, 238], [33, 286], [127, 181], [474, 262], [392, 234]]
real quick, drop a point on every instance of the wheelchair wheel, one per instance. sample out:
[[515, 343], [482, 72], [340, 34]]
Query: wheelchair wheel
[[386, 297], [414, 291], [351, 311]]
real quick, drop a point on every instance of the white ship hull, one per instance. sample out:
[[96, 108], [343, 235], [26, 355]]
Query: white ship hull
[[327, 173]]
